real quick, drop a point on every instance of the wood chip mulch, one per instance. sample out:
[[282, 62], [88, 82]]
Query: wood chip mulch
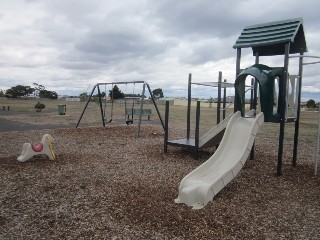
[[108, 184]]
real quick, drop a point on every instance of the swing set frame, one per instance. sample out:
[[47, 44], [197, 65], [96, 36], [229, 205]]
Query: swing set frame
[[97, 86]]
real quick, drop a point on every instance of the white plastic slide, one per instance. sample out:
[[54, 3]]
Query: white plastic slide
[[215, 134], [202, 184]]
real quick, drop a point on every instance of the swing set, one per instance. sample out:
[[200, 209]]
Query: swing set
[[129, 112]]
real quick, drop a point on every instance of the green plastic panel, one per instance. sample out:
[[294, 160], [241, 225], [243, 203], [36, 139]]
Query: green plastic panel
[[266, 78]]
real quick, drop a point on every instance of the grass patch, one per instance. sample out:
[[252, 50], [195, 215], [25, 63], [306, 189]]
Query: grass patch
[[178, 116]]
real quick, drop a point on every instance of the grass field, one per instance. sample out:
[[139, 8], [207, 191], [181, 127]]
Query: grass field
[[23, 110]]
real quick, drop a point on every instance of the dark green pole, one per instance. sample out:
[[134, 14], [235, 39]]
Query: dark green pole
[[237, 73], [282, 98], [219, 97], [252, 106], [253, 103], [255, 95], [296, 131], [224, 100], [166, 127], [189, 106], [255, 92], [251, 93], [197, 128]]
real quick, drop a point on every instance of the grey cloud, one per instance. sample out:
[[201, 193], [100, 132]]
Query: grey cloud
[[208, 50], [202, 17], [73, 64], [100, 46], [57, 30], [78, 13]]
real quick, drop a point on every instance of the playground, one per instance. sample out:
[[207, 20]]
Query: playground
[[106, 183], [253, 178]]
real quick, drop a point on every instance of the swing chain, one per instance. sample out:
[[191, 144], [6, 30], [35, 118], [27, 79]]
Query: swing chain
[[130, 121]]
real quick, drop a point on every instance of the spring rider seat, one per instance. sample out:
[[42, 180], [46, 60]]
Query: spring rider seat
[[44, 148]]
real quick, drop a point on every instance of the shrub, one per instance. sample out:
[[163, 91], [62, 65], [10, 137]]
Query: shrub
[[39, 106]]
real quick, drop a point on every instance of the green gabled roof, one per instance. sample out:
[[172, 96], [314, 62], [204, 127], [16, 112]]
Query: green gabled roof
[[270, 38]]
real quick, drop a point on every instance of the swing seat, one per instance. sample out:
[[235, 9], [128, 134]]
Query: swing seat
[[129, 121]]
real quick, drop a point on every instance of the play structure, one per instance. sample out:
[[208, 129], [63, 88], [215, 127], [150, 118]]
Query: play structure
[[277, 96], [44, 148], [130, 110], [214, 135], [275, 38]]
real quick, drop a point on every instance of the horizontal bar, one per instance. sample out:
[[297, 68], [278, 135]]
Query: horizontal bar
[[304, 56], [114, 83], [214, 84], [309, 63]]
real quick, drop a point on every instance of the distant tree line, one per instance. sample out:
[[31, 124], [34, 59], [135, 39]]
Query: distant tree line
[[21, 91], [116, 93], [311, 103], [37, 90]]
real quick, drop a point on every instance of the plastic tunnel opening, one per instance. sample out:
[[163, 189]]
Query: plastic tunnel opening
[[269, 88]]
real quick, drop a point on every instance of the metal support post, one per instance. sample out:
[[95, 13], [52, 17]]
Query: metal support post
[[141, 109], [166, 128], [155, 105], [236, 108], [189, 106], [197, 128], [224, 100], [297, 121], [219, 97], [86, 106], [100, 104], [282, 97]]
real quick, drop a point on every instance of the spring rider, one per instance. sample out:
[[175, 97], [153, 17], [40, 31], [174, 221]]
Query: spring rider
[[44, 148]]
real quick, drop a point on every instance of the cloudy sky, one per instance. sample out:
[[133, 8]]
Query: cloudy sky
[[70, 45]]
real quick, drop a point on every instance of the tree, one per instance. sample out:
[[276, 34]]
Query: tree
[[311, 104], [157, 93], [38, 88], [83, 97], [210, 101], [48, 94], [43, 93], [19, 91], [116, 93]]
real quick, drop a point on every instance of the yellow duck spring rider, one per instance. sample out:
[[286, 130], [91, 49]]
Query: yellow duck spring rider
[[45, 147]]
